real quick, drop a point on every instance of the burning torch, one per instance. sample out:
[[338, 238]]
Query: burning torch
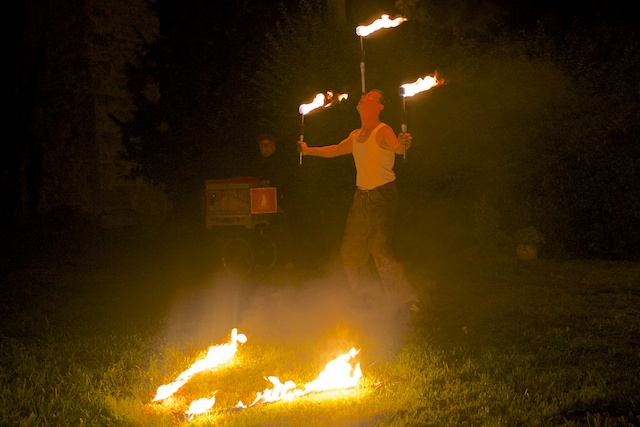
[[320, 100], [364, 30], [410, 89]]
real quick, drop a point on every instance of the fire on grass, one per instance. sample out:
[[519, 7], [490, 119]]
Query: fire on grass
[[337, 374], [216, 356], [340, 373]]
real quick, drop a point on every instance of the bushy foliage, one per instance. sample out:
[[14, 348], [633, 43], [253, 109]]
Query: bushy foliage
[[305, 53], [586, 165], [196, 117], [541, 125]]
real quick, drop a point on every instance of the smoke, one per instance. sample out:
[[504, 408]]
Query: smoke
[[285, 308], [204, 315]]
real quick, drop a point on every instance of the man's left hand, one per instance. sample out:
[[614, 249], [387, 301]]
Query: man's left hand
[[404, 139]]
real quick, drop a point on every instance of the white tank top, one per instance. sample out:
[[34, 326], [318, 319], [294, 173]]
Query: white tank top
[[374, 165]]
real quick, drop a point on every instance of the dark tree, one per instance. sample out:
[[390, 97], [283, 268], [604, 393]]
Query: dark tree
[[537, 123]]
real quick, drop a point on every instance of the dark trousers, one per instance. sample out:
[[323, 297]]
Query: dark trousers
[[369, 232]]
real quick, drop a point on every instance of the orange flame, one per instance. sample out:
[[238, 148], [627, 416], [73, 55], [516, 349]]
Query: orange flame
[[420, 85], [200, 406], [334, 99], [338, 374], [280, 391], [319, 101], [216, 356], [378, 24]]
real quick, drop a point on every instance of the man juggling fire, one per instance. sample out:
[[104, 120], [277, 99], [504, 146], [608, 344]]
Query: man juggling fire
[[371, 220]]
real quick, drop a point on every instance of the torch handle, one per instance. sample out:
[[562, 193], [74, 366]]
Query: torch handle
[[403, 128], [362, 74], [301, 139], [300, 153], [362, 64]]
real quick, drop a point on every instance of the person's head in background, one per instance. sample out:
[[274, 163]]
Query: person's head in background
[[266, 144]]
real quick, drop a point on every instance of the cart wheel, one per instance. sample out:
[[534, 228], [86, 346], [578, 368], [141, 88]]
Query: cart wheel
[[237, 256], [265, 252]]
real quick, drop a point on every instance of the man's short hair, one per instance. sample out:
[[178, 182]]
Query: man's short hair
[[383, 98]]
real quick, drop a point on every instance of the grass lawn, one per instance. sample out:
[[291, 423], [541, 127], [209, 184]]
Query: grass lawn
[[93, 325]]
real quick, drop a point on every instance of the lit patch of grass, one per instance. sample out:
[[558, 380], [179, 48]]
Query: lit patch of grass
[[499, 345]]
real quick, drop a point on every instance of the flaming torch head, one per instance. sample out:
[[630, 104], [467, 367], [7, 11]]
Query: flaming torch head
[[334, 99], [378, 24], [322, 101], [420, 85], [317, 102], [410, 89]]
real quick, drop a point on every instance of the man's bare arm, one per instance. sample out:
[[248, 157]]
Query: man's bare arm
[[328, 151], [387, 139]]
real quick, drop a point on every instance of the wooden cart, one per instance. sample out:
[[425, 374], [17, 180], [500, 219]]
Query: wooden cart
[[241, 212]]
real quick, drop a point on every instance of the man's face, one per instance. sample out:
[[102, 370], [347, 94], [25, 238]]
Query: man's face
[[267, 147], [369, 101]]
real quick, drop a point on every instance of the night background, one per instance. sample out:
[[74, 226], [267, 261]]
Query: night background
[[120, 112]]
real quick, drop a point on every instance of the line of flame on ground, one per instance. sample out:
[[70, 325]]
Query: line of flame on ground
[[338, 374], [216, 356]]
